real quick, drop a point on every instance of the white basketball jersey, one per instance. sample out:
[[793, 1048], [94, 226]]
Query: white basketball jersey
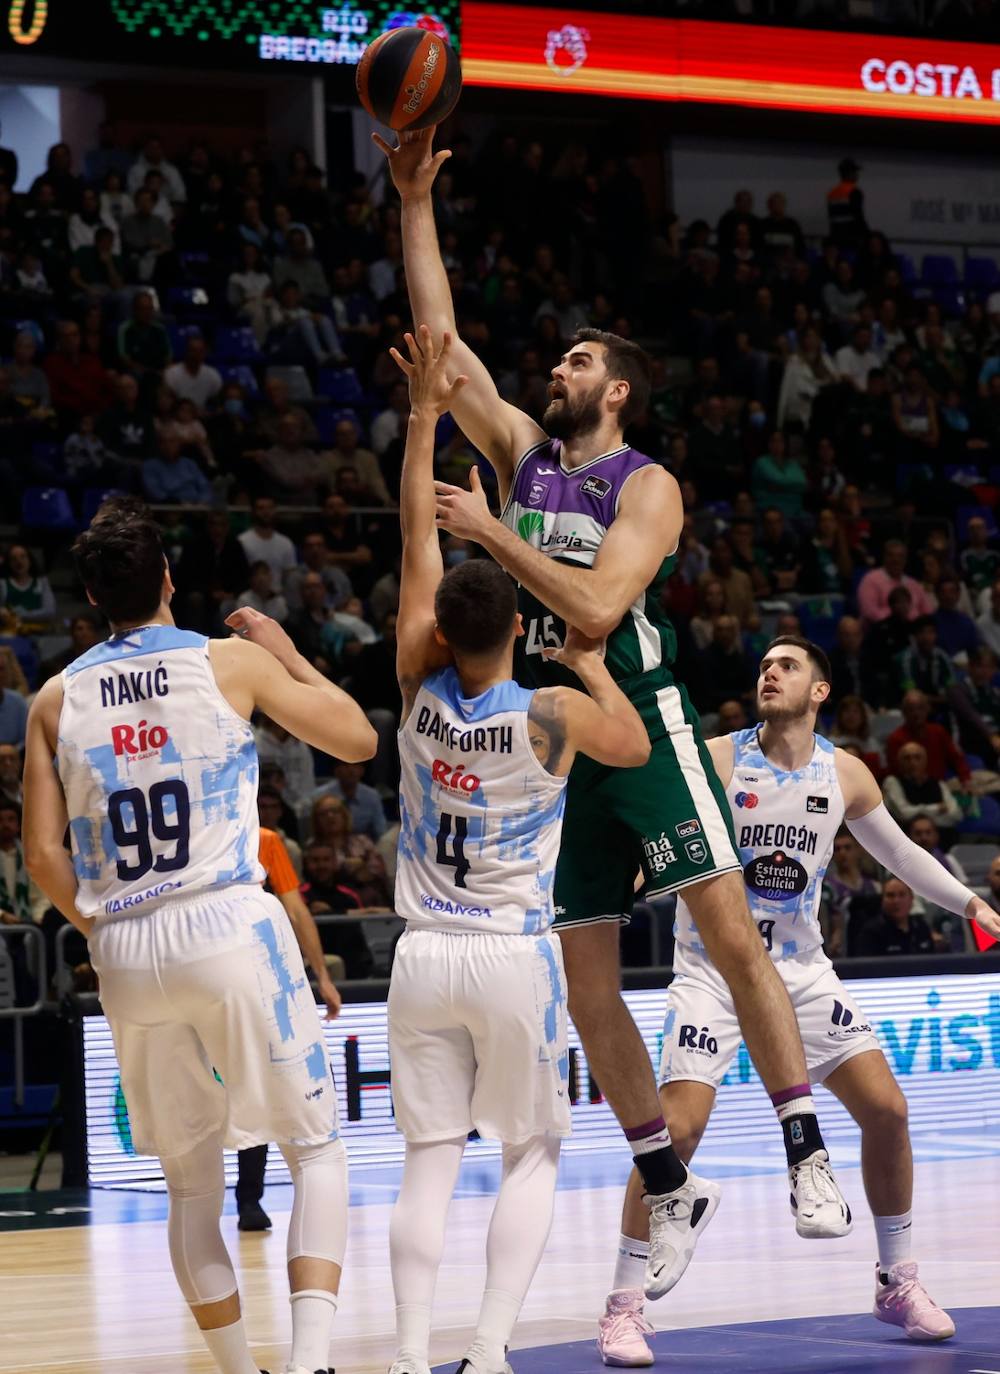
[[480, 818], [159, 772], [785, 825]]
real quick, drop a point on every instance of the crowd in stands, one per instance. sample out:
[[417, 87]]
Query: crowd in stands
[[213, 333]]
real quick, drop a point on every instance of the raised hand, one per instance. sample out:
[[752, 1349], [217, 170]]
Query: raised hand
[[426, 371], [412, 164]]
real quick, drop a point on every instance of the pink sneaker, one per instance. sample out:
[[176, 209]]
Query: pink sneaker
[[622, 1329], [905, 1302]]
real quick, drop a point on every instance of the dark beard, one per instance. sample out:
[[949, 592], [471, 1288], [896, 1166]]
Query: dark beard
[[777, 715], [564, 422]]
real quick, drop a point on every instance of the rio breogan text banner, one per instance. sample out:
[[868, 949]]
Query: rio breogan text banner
[[741, 64], [941, 1036]]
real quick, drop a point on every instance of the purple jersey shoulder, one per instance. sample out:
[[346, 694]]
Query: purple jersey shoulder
[[542, 484]]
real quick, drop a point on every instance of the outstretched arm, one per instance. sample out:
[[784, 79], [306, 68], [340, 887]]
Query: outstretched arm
[[645, 530], [431, 393], [264, 671], [873, 828], [499, 430]]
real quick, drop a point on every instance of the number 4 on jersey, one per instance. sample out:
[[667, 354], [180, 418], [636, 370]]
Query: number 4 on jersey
[[456, 859]]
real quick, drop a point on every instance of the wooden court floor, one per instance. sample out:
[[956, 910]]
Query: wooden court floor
[[100, 1299]]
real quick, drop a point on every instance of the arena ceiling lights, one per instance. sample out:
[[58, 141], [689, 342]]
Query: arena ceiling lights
[[730, 64]]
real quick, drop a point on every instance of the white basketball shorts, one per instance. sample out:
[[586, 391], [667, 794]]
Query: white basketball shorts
[[701, 1033], [477, 1036], [214, 986]]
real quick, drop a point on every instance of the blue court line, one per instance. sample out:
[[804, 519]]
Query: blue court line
[[819, 1345]]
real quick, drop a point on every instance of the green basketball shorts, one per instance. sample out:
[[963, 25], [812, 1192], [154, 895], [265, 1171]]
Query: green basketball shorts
[[670, 818]]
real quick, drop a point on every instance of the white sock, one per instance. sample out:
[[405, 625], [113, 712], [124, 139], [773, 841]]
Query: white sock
[[497, 1318], [228, 1345], [894, 1236], [796, 1106], [630, 1267], [413, 1331], [313, 1311]]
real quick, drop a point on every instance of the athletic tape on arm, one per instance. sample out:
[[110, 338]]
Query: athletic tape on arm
[[886, 843]]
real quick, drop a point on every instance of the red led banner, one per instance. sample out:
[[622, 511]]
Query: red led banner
[[739, 64]]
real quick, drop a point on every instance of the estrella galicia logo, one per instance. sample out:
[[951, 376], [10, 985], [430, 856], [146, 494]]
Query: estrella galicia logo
[[776, 877], [747, 799], [696, 851], [819, 805], [688, 828], [596, 486]]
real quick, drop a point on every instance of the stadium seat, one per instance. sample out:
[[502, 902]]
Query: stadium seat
[[93, 499], [327, 418], [340, 385], [47, 508], [240, 372], [907, 268], [951, 301], [938, 269], [981, 274], [179, 335], [296, 379], [235, 344], [975, 859], [986, 823], [188, 300], [967, 513], [27, 654]]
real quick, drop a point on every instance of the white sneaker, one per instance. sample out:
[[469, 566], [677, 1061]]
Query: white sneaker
[[406, 1365], [469, 1367], [818, 1206], [676, 1220]]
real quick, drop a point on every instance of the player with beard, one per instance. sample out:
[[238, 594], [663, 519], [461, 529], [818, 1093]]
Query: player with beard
[[590, 530], [790, 791]]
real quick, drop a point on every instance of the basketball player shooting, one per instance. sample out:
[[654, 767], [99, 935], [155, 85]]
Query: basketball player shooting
[[802, 790], [589, 530], [477, 997], [156, 778]]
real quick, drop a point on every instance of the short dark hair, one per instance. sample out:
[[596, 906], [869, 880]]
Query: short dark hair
[[626, 362], [922, 622], [120, 560], [475, 606], [816, 656]]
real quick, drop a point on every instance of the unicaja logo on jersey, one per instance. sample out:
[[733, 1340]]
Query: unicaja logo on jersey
[[532, 522], [138, 741], [455, 778], [747, 799]]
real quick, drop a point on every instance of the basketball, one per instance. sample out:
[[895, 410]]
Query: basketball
[[409, 78]]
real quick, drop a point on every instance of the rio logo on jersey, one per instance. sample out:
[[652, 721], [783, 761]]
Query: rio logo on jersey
[[138, 741], [747, 799], [455, 778]]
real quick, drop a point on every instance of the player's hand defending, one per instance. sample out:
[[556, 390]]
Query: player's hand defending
[[465, 514], [984, 916], [577, 650], [427, 372], [412, 164], [262, 630]]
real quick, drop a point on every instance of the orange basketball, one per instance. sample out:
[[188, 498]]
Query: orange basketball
[[409, 78]]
